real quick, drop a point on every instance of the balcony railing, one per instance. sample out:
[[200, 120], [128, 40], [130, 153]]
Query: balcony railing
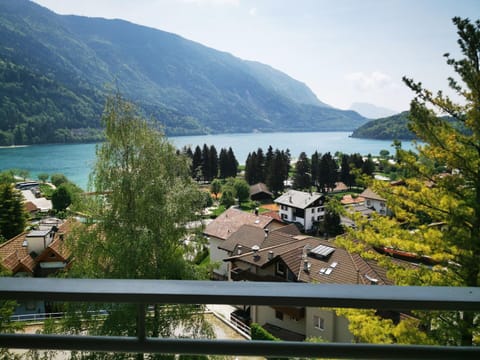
[[144, 292]]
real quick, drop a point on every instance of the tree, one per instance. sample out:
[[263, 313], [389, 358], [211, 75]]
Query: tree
[[58, 179], [303, 177], [43, 177], [242, 189], [228, 196], [223, 164], [451, 199], [12, 212], [233, 163], [333, 210], [216, 187], [61, 198], [327, 172], [197, 164], [213, 162], [206, 168], [139, 222]]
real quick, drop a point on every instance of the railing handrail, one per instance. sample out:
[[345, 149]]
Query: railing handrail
[[248, 293], [144, 292]]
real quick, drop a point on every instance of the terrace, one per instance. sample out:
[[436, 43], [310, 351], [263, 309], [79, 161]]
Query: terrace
[[144, 292]]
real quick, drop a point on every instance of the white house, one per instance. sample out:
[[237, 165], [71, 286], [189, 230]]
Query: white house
[[374, 201], [301, 207]]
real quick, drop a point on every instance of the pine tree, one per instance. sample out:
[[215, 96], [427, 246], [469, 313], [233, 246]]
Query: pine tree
[[12, 212], [302, 177], [232, 160], [441, 210]]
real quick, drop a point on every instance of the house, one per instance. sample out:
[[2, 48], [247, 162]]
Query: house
[[260, 192], [225, 225], [300, 258], [37, 253], [374, 201], [301, 207]]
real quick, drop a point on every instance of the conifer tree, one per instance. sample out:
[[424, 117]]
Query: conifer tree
[[441, 210], [12, 212]]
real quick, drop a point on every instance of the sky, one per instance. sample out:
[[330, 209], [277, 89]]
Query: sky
[[346, 51]]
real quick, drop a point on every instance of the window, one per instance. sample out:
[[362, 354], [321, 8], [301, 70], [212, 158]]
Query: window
[[369, 203], [319, 323], [382, 204], [278, 315], [30, 305], [281, 268]]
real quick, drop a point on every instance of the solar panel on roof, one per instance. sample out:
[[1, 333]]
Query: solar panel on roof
[[329, 271], [322, 250]]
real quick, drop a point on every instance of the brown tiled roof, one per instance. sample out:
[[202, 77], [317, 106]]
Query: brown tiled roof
[[13, 255], [30, 207], [231, 220], [349, 268], [273, 215], [248, 236], [369, 194], [290, 229], [259, 188], [348, 199]]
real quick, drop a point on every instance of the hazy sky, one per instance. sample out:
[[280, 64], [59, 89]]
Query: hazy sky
[[346, 51]]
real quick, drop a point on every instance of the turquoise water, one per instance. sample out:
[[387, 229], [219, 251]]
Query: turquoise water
[[76, 160]]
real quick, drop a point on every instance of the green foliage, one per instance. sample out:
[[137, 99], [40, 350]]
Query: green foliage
[[441, 210], [58, 179], [333, 210], [12, 212], [257, 332], [54, 69], [61, 198], [43, 177], [389, 128], [242, 190], [228, 196], [7, 177], [216, 187], [149, 197]]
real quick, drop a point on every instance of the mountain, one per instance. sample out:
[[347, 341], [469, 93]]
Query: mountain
[[56, 70], [371, 111], [389, 128]]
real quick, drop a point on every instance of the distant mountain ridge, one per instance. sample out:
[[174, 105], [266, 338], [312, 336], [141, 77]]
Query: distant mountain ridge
[[371, 111], [55, 71]]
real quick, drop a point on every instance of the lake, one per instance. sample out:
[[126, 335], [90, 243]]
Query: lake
[[76, 160]]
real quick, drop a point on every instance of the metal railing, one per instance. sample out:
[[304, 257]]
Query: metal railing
[[145, 292]]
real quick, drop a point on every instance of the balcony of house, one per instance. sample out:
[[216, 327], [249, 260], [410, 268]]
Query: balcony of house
[[287, 296]]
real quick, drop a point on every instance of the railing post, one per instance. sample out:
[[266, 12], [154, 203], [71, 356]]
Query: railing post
[[141, 335], [141, 313]]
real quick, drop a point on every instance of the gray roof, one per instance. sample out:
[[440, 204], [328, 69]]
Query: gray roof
[[298, 199]]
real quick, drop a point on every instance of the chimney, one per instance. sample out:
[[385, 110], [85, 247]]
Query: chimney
[[270, 255], [290, 199], [256, 211], [239, 249], [306, 266], [266, 232]]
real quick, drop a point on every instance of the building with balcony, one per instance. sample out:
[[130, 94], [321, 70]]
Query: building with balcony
[[288, 257], [301, 207], [224, 226]]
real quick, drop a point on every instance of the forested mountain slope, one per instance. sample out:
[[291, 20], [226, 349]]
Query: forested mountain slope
[[55, 71]]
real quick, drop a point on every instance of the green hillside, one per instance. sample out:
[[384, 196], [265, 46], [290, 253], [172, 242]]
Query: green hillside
[[389, 128], [55, 71]]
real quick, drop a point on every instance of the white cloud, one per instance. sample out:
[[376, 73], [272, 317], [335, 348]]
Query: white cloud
[[253, 11], [213, 2], [375, 80]]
